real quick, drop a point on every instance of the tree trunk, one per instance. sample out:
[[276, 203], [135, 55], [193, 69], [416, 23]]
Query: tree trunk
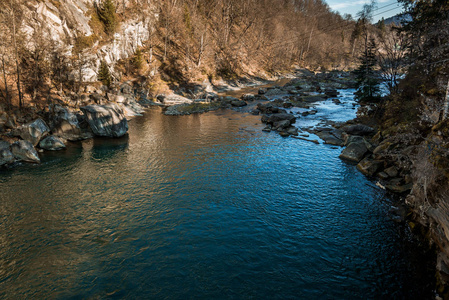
[[19, 90], [446, 103], [7, 96]]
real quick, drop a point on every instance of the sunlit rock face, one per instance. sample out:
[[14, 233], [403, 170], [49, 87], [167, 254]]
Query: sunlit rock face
[[24, 151], [61, 24], [106, 120]]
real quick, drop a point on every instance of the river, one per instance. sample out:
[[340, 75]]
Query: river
[[204, 207]]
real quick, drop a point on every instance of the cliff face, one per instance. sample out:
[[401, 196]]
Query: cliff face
[[63, 22]]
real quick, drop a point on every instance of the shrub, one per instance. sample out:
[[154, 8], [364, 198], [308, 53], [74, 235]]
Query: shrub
[[104, 75]]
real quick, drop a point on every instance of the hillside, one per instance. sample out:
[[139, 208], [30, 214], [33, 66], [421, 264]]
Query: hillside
[[48, 46]]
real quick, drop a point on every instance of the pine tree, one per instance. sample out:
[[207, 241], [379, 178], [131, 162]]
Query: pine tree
[[106, 14], [138, 59], [367, 81], [104, 75]]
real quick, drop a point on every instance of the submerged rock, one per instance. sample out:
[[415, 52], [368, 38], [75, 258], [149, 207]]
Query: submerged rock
[[106, 120], [52, 143], [24, 151]]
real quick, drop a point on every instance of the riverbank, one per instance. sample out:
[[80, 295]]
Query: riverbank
[[102, 111]]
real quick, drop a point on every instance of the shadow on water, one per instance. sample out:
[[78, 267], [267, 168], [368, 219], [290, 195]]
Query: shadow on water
[[107, 148]]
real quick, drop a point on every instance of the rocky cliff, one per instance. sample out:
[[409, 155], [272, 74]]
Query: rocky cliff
[[65, 22]]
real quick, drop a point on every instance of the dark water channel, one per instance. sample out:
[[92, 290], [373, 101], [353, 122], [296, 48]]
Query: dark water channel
[[203, 207]]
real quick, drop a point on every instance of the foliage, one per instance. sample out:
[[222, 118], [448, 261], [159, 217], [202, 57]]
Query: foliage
[[83, 42], [104, 75], [367, 81], [106, 14], [138, 59]]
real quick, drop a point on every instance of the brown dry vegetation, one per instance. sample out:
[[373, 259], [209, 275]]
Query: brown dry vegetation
[[190, 41]]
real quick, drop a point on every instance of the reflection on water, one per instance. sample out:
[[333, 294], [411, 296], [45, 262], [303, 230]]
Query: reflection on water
[[204, 206]]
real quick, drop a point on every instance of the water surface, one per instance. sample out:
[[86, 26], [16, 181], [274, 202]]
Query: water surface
[[202, 207]]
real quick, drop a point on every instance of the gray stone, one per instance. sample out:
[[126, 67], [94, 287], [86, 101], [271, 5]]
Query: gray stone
[[24, 151], [34, 131], [355, 152], [269, 108], [369, 167], [331, 137], [336, 101], [173, 99], [358, 129], [391, 171], [280, 117], [399, 188], [292, 131], [248, 97], [281, 125], [267, 128], [106, 120], [382, 175], [6, 155], [66, 125], [238, 103], [52, 143]]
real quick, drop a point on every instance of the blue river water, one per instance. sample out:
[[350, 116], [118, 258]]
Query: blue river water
[[202, 207]]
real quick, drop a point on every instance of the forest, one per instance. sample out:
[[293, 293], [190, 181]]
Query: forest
[[188, 41]]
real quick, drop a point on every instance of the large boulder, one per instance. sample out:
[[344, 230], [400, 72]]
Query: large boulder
[[52, 143], [24, 151], [34, 131], [355, 152], [106, 120], [358, 129], [66, 125], [6, 155]]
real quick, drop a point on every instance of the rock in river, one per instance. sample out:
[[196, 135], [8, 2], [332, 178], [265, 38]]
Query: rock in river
[[34, 131], [274, 118], [66, 125], [358, 129], [106, 120], [24, 150], [355, 152], [238, 103], [6, 155], [52, 143]]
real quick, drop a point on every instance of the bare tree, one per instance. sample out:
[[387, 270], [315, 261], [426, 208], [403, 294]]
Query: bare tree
[[392, 57]]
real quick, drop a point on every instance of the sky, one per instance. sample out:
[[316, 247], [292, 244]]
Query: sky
[[385, 8]]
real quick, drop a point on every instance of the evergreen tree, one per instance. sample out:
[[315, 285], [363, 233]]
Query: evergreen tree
[[138, 59], [104, 75], [106, 14], [367, 81]]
